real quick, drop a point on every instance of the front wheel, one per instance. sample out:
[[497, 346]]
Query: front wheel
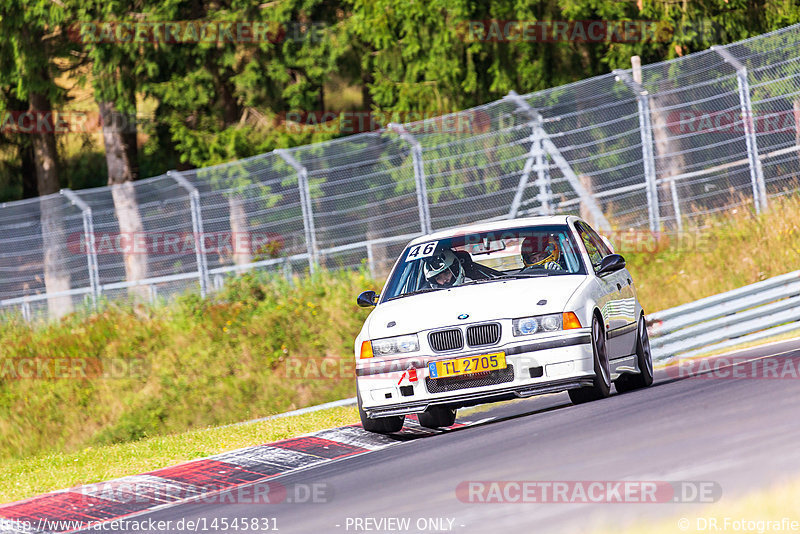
[[601, 384], [380, 425], [644, 360]]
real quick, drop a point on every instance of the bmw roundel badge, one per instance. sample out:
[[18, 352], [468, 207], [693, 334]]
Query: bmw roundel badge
[[463, 316]]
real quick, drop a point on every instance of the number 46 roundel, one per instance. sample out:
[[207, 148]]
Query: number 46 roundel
[[421, 251]]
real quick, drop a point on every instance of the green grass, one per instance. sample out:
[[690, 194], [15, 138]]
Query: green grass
[[39, 474], [757, 510], [240, 355], [264, 345], [730, 251]]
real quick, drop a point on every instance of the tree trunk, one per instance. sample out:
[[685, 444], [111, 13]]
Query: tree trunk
[[119, 136], [239, 228], [30, 188], [669, 162], [585, 212], [56, 272]]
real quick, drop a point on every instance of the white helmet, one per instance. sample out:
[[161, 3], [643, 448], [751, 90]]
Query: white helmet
[[440, 262]]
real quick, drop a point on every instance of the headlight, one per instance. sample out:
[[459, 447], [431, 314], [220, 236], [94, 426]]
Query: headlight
[[395, 345], [525, 326]]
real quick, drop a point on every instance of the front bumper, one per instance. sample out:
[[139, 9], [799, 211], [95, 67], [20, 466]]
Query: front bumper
[[536, 366]]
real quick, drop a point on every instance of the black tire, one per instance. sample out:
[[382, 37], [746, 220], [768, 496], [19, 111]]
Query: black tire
[[379, 425], [437, 416], [644, 359], [601, 384]]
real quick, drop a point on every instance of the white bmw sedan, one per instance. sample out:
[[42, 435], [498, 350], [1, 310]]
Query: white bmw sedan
[[497, 311]]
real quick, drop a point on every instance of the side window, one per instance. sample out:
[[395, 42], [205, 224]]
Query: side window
[[599, 240], [595, 246]]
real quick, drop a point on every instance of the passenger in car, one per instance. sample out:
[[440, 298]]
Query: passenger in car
[[541, 251]]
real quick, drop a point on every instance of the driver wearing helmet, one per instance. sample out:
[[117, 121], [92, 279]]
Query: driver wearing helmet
[[443, 270], [541, 251]]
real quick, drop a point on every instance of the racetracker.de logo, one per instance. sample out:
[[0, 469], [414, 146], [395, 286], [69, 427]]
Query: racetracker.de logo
[[176, 243], [414, 122], [64, 122], [587, 491], [733, 368], [148, 491], [732, 122], [78, 368], [554, 31], [193, 31]]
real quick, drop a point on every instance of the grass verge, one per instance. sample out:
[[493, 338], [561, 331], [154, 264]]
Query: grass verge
[[758, 512], [24, 478], [261, 346]]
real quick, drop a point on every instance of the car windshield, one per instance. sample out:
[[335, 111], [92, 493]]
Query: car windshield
[[484, 257]]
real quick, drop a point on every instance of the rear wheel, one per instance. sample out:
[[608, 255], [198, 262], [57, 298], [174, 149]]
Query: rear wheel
[[644, 360], [601, 386], [380, 425], [437, 416]]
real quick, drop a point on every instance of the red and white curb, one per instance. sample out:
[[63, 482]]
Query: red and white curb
[[229, 477]]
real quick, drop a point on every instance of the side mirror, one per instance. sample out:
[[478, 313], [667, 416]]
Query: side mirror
[[610, 264], [369, 298]]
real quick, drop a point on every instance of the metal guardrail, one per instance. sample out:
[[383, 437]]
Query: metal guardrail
[[749, 313]]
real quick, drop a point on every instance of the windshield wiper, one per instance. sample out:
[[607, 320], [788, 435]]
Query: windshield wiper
[[481, 281], [509, 276], [525, 275]]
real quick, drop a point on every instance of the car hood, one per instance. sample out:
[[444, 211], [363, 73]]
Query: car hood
[[482, 302]]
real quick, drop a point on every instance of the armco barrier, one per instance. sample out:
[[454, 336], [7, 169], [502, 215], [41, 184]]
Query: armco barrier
[[749, 313]]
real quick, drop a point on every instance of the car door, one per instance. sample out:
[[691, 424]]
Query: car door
[[618, 306]]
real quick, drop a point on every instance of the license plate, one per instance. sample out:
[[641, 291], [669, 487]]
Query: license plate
[[468, 365]]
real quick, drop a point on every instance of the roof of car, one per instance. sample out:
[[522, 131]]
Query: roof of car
[[493, 225]]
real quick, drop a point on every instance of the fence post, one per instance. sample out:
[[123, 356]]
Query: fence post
[[756, 171], [561, 162], [88, 232], [676, 205], [305, 205], [648, 154], [419, 176], [543, 183], [197, 228], [370, 259], [26, 311]]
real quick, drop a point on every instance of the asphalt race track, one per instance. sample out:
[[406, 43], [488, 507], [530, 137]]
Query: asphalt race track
[[730, 431]]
